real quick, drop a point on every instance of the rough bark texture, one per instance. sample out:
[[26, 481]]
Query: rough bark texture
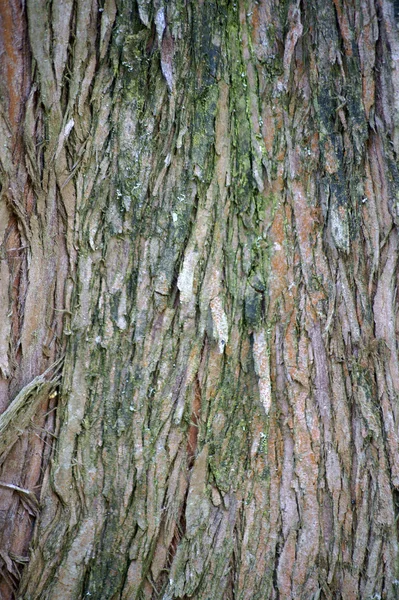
[[199, 216]]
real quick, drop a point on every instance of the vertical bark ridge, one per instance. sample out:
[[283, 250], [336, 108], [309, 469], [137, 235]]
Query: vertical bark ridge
[[223, 180], [43, 143]]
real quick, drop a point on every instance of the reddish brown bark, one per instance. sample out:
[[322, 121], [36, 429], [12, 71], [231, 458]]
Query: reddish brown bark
[[32, 281]]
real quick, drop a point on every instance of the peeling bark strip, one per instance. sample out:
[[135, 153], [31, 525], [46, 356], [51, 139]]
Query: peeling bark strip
[[199, 208], [15, 419]]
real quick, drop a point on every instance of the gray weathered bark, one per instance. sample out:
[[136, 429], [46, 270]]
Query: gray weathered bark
[[199, 219]]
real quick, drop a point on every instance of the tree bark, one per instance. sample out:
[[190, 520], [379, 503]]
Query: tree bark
[[199, 225]]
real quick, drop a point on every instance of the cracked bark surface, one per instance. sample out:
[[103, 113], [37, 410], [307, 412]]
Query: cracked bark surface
[[199, 222]]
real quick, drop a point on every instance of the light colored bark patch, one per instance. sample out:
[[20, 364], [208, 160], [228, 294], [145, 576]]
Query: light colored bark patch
[[186, 278], [221, 330], [262, 368]]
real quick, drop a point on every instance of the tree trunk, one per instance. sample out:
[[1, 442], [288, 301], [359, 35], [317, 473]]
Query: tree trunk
[[199, 219]]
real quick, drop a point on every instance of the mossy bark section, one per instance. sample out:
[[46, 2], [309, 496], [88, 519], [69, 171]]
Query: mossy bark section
[[223, 180]]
